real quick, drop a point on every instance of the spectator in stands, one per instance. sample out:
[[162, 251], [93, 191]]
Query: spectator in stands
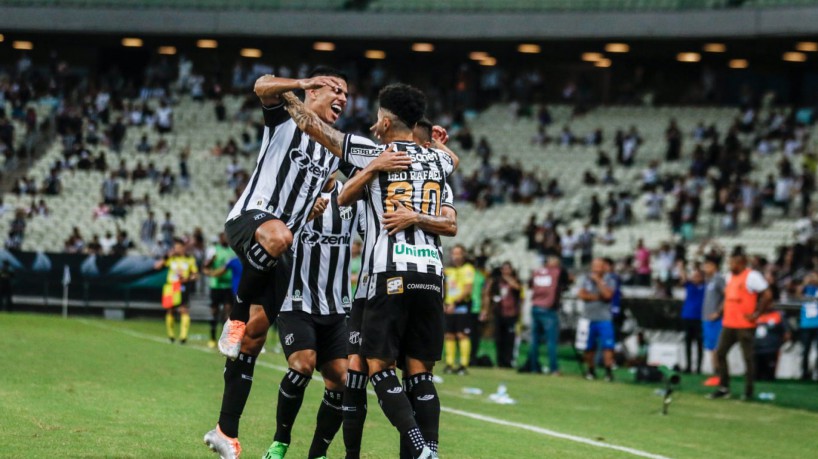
[[643, 267], [465, 139], [808, 324], [117, 135], [568, 246], [168, 230], [6, 288], [595, 211], [184, 171], [40, 209], [609, 238], [695, 289], [547, 284], [595, 328], [164, 118], [630, 145], [122, 172], [585, 242], [147, 233], [17, 230], [166, 182], [504, 289], [784, 187], [746, 296], [532, 231], [144, 145], [655, 201], [52, 185], [123, 244], [673, 136], [110, 189], [94, 247]]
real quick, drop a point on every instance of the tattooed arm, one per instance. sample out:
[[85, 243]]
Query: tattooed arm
[[313, 125]]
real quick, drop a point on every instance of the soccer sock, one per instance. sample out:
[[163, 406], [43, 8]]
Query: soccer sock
[[213, 328], [423, 394], [354, 412], [238, 378], [329, 420], [451, 351], [185, 319], [290, 396], [465, 351], [396, 407], [405, 447], [169, 323]]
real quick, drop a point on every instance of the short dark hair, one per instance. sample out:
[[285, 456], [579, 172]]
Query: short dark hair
[[325, 70], [408, 103], [716, 260], [426, 127]]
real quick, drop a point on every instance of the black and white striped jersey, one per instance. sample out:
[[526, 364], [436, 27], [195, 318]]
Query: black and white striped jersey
[[420, 187], [366, 260], [320, 279], [290, 172]]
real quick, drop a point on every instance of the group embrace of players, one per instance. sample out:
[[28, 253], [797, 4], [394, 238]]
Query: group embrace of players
[[292, 228]]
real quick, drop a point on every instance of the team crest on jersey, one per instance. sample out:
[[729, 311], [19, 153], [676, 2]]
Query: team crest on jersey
[[345, 300], [297, 295], [394, 286], [346, 212], [289, 340]]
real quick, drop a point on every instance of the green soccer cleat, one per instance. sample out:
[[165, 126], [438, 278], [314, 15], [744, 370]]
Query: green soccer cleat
[[277, 450]]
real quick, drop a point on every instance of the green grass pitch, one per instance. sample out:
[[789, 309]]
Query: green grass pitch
[[94, 388]]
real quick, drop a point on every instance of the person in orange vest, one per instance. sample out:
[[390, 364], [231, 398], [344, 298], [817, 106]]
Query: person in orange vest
[[746, 297]]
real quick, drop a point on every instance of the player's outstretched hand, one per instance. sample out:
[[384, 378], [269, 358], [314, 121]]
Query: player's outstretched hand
[[318, 209], [321, 81], [439, 133], [391, 161], [401, 218]]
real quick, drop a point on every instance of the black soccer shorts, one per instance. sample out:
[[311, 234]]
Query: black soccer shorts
[[241, 233], [220, 296], [459, 322], [404, 317], [324, 334]]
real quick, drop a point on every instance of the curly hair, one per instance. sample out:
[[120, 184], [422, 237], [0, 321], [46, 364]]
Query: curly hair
[[406, 102]]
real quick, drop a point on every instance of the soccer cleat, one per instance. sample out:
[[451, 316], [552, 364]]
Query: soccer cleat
[[276, 451], [427, 453], [448, 370], [226, 447], [211, 344], [462, 371], [230, 341], [183, 341], [720, 393], [590, 375], [172, 340]]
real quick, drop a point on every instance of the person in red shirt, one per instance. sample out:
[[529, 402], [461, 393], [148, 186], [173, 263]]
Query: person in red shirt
[[546, 285], [746, 297]]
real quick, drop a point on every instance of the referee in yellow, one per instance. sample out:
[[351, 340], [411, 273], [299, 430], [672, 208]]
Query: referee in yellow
[[459, 284], [182, 273]]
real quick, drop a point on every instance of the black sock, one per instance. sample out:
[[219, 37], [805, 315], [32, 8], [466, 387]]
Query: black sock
[[405, 446], [425, 401], [330, 418], [396, 407], [252, 286], [238, 378], [290, 396], [213, 328], [354, 412]]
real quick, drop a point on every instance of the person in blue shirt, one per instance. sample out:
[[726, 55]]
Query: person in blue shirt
[[808, 325], [695, 288]]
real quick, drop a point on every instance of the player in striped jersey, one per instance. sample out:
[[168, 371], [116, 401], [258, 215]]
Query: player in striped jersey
[[290, 173], [357, 375], [312, 321], [403, 315]]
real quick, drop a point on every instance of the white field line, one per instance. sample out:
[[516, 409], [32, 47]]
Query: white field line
[[467, 414]]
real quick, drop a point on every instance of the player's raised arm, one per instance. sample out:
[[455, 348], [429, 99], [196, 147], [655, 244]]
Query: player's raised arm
[[269, 87], [388, 161], [439, 140], [309, 122]]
